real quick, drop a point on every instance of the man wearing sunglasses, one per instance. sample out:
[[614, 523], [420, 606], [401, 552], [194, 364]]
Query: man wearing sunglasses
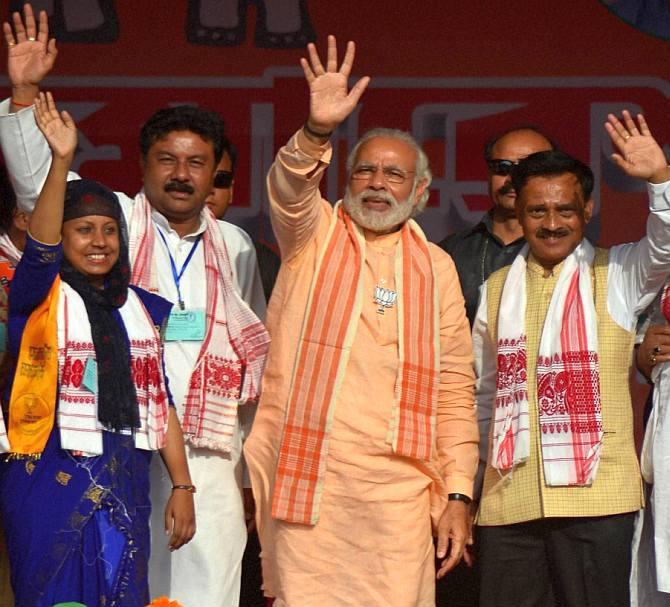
[[221, 198], [497, 238], [224, 180], [553, 338]]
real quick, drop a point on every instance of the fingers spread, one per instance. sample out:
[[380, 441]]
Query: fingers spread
[[9, 34], [317, 67], [67, 119], [348, 61], [644, 128], [630, 123], [18, 27], [332, 54], [358, 89], [43, 30], [307, 70]]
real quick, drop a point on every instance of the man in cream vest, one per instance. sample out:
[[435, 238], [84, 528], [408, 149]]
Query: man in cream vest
[[553, 340]]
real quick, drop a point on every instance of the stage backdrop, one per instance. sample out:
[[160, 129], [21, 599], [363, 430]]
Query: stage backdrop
[[453, 72]]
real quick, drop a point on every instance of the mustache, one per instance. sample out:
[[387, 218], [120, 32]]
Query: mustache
[[506, 189], [179, 186], [379, 194], [544, 233]]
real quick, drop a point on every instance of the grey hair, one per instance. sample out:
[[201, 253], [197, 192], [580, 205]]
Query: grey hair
[[422, 171]]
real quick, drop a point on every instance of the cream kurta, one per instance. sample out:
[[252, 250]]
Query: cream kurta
[[372, 543]]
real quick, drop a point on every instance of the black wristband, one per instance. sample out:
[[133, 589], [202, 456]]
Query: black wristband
[[314, 133], [460, 497]]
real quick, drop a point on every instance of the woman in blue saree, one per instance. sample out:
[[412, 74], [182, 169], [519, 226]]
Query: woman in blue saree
[[74, 489]]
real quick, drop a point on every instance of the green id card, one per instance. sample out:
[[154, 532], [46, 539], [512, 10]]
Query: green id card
[[185, 325], [90, 379]]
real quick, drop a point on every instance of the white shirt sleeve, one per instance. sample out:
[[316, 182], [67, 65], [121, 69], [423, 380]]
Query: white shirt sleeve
[[485, 387], [27, 154], [637, 271], [242, 254]]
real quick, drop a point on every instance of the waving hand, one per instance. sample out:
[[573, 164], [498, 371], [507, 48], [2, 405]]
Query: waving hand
[[331, 101], [31, 54], [638, 153]]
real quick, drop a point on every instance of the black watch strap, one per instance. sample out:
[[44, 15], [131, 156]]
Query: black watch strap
[[459, 497]]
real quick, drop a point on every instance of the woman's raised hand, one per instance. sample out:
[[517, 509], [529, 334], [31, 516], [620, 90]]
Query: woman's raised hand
[[57, 127]]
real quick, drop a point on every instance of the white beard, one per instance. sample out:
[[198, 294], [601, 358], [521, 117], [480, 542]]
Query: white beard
[[380, 222]]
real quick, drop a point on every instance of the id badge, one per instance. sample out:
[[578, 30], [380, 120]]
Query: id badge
[[90, 379], [185, 325]]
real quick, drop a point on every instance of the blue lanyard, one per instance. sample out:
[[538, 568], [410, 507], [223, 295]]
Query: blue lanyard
[[178, 274]]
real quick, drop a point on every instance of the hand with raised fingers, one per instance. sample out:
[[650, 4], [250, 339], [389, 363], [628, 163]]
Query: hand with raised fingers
[[58, 128], [31, 54], [638, 153], [331, 101]]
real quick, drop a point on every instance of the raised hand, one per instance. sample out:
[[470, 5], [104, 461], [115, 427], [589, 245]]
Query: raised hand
[[57, 127], [331, 101], [638, 153], [31, 54]]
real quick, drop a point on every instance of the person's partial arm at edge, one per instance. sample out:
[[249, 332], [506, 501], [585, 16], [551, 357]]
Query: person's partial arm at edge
[[638, 270], [31, 56]]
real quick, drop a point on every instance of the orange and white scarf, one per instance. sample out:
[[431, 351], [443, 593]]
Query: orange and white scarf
[[333, 309], [568, 379], [77, 414], [232, 357]]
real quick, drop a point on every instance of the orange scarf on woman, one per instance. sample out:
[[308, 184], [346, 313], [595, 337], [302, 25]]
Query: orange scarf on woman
[[32, 404]]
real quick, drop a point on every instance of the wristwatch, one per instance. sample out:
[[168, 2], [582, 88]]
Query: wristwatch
[[459, 497]]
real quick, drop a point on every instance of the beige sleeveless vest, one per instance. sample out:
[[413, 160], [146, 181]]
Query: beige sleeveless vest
[[523, 495]]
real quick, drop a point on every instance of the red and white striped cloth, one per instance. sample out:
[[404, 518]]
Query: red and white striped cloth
[[333, 311], [8, 249], [568, 379], [77, 413], [230, 364]]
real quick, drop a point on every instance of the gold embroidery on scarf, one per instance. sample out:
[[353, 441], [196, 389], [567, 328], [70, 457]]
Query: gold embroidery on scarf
[[31, 411], [15, 457], [63, 478], [30, 466], [94, 494]]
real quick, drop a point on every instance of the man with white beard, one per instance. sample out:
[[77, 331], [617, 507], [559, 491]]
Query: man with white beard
[[365, 432]]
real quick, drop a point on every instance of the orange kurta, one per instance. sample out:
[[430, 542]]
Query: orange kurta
[[372, 543]]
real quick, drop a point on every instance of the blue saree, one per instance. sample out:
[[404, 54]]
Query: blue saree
[[77, 529]]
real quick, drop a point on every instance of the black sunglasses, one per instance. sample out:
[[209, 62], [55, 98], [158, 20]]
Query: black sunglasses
[[501, 167], [223, 179]]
